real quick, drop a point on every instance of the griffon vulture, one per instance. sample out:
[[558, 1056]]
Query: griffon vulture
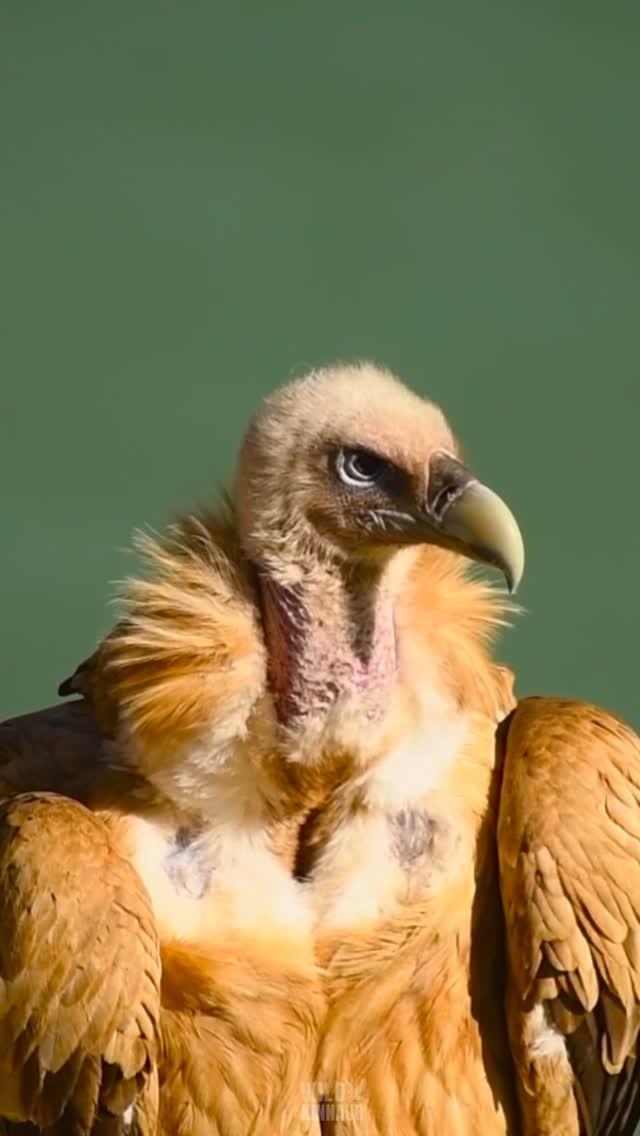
[[297, 861]]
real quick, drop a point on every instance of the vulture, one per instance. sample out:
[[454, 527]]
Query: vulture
[[295, 861]]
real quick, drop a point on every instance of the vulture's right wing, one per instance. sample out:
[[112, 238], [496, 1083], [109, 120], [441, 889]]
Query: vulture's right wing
[[62, 749], [79, 974]]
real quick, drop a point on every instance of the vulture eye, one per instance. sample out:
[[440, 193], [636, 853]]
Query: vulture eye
[[360, 469]]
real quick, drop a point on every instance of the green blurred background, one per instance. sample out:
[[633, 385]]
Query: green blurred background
[[199, 200]]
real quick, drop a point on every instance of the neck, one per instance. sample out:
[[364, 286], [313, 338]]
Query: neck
[[330, 634]]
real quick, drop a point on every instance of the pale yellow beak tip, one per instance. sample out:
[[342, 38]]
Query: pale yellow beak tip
[[481, 520]]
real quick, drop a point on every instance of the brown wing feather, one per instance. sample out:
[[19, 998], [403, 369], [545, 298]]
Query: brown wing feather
[[79, 681], [61, 750], [43, 750], [79, 973], [569, 846]]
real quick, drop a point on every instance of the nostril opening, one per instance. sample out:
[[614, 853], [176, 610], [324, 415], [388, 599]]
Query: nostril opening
[[447, 479], [443, 499]]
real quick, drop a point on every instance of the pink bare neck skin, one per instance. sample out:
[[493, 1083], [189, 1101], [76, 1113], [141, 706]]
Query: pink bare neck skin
[[330, 635]]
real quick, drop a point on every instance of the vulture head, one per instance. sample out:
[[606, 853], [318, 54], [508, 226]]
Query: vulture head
[[344, 477], [347, 465]]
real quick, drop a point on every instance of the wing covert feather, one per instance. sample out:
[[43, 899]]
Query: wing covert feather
[[569, 852], [79, 973]]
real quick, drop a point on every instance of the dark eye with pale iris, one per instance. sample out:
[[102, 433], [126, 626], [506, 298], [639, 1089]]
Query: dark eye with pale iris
[[358, 468]]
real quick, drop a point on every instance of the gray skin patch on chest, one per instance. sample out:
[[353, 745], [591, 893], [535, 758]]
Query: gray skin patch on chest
[[415, 836], [188, 865]]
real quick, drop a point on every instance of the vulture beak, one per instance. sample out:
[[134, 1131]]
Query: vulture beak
[[462, 514]]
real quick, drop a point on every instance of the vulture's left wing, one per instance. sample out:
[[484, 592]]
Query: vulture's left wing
[[569, 852]]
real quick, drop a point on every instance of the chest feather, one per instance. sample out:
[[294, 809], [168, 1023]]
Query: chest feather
[[395, 837], [225, 882]]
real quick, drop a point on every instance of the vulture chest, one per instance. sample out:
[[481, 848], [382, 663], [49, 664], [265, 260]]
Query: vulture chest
[[409, 936], [241, 1000]]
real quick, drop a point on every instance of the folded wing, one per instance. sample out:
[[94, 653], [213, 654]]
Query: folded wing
[[569, 852], [79, 974]]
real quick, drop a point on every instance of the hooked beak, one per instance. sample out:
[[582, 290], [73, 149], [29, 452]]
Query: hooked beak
[[462, 514]]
